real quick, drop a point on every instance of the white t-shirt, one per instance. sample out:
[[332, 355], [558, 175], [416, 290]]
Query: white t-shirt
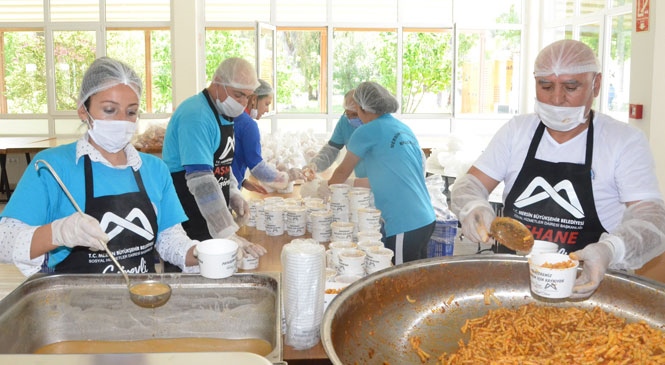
[[623, 169]]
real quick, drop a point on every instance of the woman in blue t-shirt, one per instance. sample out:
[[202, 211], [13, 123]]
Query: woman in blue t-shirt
[[395, 170], [127, 197]]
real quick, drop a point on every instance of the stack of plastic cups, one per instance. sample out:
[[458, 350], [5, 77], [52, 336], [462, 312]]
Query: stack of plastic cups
[[274, 220], [339, 202], [321, 220], [442, 242], [369, 220], [358, 198], [296, 220], [303, 287], [251, 222], [313, 206]]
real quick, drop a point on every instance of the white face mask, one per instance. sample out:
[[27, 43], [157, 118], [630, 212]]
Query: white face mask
[[230, 106], [560, 118], [111, 135], [253, 113]]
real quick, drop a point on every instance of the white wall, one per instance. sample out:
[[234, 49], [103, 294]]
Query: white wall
[[647, 86]]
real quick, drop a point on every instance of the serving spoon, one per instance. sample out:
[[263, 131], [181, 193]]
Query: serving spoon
[[146, 294], [511, 233]]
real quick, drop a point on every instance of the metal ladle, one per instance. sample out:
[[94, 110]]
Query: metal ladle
[[147, 294]]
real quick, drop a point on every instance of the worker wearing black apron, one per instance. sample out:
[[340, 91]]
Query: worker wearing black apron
[[131, 244], [196, 227], [572, 222]]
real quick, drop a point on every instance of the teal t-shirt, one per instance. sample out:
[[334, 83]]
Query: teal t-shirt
[[393, 160], [39, 199], [192, 135]]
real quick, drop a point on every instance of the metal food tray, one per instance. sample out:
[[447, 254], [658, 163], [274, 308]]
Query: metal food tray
[[370, 321], [46, 309]]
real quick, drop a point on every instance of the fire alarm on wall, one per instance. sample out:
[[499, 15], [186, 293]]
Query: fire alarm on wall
[[635, 111]]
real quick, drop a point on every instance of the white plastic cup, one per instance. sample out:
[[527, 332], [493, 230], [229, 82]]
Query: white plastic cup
[[369, 219], [351, 262], [552, 282], [274, 220], [342, 231], [367, 245], [249, 262], [217, 257], [296, 221], [369, 236], [378, 258], [253, 204], [543, 247], [312, 207], [336, 247], [358, 198], [260, 217], [321, 220]]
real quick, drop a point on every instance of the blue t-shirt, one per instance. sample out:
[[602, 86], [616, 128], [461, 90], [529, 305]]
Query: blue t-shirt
[[340, 138], [39, 199], [394, 164], [248, 146], [192, 135]]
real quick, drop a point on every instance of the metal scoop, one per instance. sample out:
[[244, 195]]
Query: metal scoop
[[512, 234], [147, 294]]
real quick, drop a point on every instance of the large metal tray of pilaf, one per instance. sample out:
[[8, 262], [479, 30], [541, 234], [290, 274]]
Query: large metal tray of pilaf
[[75, 312], [400, 314]]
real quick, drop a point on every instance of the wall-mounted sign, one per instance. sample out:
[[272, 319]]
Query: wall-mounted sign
[[642, 16]]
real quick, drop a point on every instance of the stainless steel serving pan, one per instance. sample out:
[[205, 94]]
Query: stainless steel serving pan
[[53, 308], [371, 321]]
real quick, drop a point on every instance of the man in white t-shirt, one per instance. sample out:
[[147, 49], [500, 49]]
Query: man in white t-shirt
[[574, 177]]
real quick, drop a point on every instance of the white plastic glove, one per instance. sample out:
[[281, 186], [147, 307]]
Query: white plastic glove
[[476, 219], [296, 174], [597, 257], [309, 172], [78, 230], [469, 201], [280, 182], [247, 247], [239, 205], [323, 190]]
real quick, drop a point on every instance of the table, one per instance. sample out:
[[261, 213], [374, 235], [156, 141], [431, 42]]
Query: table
[[25, 145]]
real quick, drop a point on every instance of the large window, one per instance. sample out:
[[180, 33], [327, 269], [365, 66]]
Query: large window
[[604, 25], [448, 63], [45, 53]]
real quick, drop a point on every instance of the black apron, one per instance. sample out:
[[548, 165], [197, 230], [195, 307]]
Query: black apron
[[131, 223], [196, 227], [555, 200]]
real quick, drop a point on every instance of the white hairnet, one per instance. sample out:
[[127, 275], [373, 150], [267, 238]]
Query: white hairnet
[[238, 73], [375, 98], [349, 103], [566, 57], [106, 73], [264, 88]]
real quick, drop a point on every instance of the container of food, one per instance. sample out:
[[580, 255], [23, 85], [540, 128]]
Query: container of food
[[376, 319], [240, 312]]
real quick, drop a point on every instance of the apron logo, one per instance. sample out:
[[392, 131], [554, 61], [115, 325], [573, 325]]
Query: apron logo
[[528, 197], [127, 223], [229, 147]]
